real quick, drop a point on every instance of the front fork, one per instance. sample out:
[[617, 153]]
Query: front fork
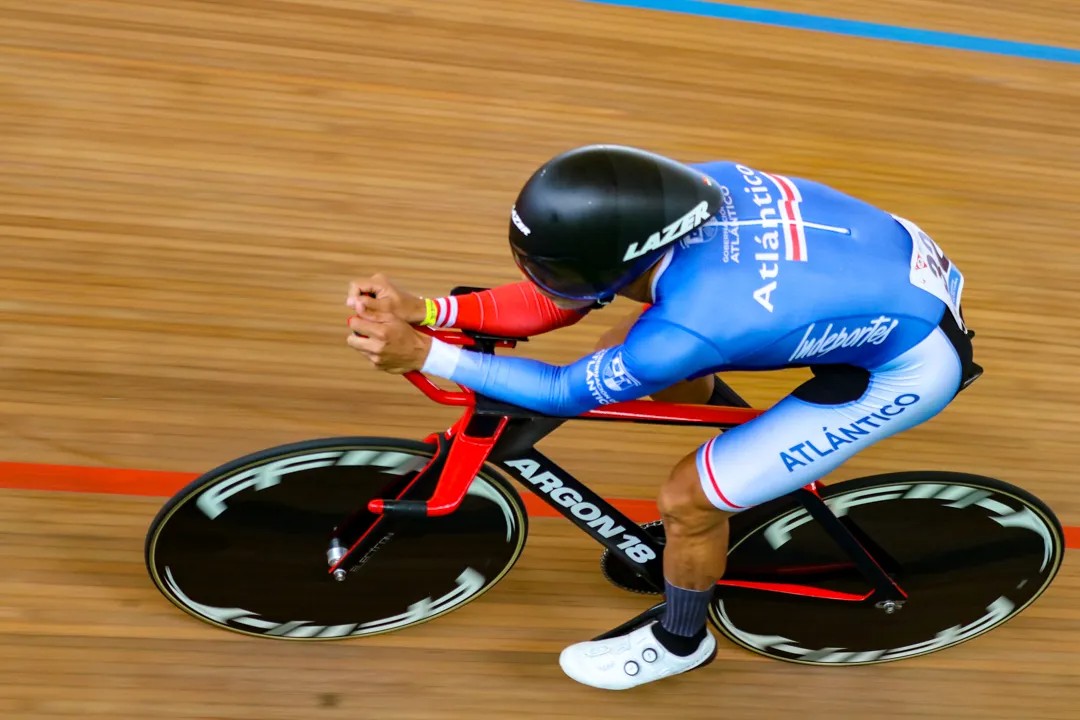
[[355, 538], [437, 489]]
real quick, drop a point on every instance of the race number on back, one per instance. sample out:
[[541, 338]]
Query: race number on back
[[932, 271]]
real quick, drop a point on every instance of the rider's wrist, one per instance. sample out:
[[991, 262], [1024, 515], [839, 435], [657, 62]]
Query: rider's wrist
[[431, 312], [440, 312], [442, 359]]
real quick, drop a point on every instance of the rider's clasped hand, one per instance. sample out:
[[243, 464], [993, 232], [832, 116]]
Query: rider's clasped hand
[[382, 325]]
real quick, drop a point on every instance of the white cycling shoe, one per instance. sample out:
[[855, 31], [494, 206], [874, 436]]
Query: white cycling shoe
[[627, 661]]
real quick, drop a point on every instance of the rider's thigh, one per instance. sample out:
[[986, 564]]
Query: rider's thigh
[[616, 334], [814, 430]]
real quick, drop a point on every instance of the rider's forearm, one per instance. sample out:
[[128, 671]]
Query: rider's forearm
[[515, 310], [655, 355], [529, 383], [550, 389]]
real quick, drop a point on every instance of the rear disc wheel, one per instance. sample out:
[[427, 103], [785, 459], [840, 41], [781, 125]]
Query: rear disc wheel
[[970, 552]]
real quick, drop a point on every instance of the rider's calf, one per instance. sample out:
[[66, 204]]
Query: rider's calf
[[697, 532]]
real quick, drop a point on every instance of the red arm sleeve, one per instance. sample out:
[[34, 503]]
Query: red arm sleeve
[[516, 310]]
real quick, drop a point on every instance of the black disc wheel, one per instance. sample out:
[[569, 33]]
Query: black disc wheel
[[244, 547], [970, 552]]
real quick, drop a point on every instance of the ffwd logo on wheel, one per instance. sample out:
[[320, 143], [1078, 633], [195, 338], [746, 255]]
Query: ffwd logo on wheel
[[184, 579], [822, 645]]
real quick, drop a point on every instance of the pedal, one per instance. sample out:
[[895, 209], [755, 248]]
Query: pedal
[[622, 575], [634, 623]]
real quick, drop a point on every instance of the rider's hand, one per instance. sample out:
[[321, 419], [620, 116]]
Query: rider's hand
[[389, 342], [387, 299]]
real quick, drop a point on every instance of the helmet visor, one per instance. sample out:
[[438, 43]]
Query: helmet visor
[[559, 277]]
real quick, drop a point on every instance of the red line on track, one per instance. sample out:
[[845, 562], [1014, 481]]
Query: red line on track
[[73, 478], [161, 483]]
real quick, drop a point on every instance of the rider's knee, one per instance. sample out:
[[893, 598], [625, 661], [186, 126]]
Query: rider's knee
[[683, 503]]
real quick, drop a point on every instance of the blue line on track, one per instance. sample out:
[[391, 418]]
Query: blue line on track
[[856, 28]]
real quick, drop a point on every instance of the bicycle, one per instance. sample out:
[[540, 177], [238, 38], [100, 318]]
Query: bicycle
[[340, 538]]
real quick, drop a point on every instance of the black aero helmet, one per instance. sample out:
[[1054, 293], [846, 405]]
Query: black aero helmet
[[593, 219]]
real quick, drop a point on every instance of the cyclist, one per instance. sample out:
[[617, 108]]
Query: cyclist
[[739, 269]]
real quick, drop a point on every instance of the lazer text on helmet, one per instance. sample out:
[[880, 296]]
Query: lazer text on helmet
[[671, 233], [519, 222]]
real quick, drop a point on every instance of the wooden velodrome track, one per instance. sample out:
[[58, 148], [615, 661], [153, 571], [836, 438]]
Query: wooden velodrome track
[[186, 186]]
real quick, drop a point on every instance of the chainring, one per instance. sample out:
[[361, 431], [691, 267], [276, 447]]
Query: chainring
[[621, 575]]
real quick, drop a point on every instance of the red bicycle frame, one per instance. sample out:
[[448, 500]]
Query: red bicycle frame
[[468, 453], [472, 438]]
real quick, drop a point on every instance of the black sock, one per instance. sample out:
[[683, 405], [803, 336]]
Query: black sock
[[678, 644], [682, 628]]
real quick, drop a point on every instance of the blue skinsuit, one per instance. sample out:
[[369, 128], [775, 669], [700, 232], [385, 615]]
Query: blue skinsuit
[[789, 273]]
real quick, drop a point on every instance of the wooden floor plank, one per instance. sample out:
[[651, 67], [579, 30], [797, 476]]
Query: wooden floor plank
[[189, 185]]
